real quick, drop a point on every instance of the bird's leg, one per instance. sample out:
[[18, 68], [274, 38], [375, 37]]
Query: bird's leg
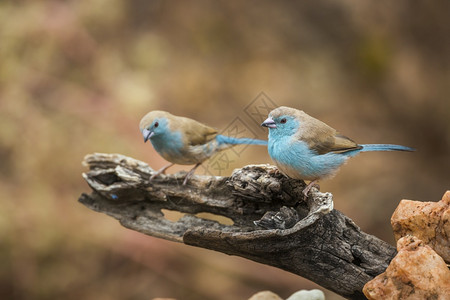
[[275, 172], [161, 171], [189, 174], [309, 186]]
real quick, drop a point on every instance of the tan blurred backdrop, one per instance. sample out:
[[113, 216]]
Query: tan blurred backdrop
[[77, 76]]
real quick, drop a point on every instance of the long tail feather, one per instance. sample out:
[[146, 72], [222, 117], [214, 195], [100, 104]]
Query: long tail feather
[[385, 147], [222, 139]]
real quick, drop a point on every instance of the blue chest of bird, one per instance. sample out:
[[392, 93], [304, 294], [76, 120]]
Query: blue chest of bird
[[294, 159]]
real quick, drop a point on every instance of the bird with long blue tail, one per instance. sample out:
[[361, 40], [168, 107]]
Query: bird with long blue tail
[[303, 147], [184, 141]]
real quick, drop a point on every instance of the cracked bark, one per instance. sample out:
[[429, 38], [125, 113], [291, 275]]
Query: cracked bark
[[272, 223]]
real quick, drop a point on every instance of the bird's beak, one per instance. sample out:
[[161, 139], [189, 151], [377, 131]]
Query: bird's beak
[[269, 122], [147, 134]]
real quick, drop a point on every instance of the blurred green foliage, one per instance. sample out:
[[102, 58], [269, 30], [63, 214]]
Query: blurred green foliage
[[77, 76]]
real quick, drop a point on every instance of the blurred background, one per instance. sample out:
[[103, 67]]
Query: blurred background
[[77, 76]]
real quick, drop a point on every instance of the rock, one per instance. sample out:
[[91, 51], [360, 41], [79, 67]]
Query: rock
[[265, 295], [416, 272], [428, 221], [300, 295], [307, 295]]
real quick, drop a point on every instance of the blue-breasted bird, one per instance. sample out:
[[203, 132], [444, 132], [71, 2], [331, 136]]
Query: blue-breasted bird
[[305, 148], [184, 141]]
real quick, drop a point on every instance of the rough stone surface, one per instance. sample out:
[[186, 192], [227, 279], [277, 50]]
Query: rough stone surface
[[300, 295], [428, 221], [417, 272], [307, 295], [265, 295]]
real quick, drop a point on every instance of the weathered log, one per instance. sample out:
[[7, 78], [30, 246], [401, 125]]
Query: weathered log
[[272, 222]]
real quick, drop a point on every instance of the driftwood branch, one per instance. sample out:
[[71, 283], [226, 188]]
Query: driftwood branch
[[272, 222]]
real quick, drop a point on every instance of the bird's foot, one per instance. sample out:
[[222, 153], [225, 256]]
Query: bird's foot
[[154, 175], [160, 171], [190, 173], [309, 186], [274, 172], [186, 179]]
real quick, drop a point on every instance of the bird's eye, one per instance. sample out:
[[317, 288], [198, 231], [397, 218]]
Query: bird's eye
[[156, 124], [282, 121]]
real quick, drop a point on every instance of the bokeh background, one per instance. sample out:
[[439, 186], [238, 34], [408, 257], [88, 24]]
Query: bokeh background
[[77, 76]]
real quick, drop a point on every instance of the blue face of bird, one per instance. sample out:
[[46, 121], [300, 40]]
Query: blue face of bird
[[155, 129], [283, 125]]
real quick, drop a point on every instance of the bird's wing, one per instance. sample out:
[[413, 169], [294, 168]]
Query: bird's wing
[[343, 144], [324, 139], [197, 133]]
